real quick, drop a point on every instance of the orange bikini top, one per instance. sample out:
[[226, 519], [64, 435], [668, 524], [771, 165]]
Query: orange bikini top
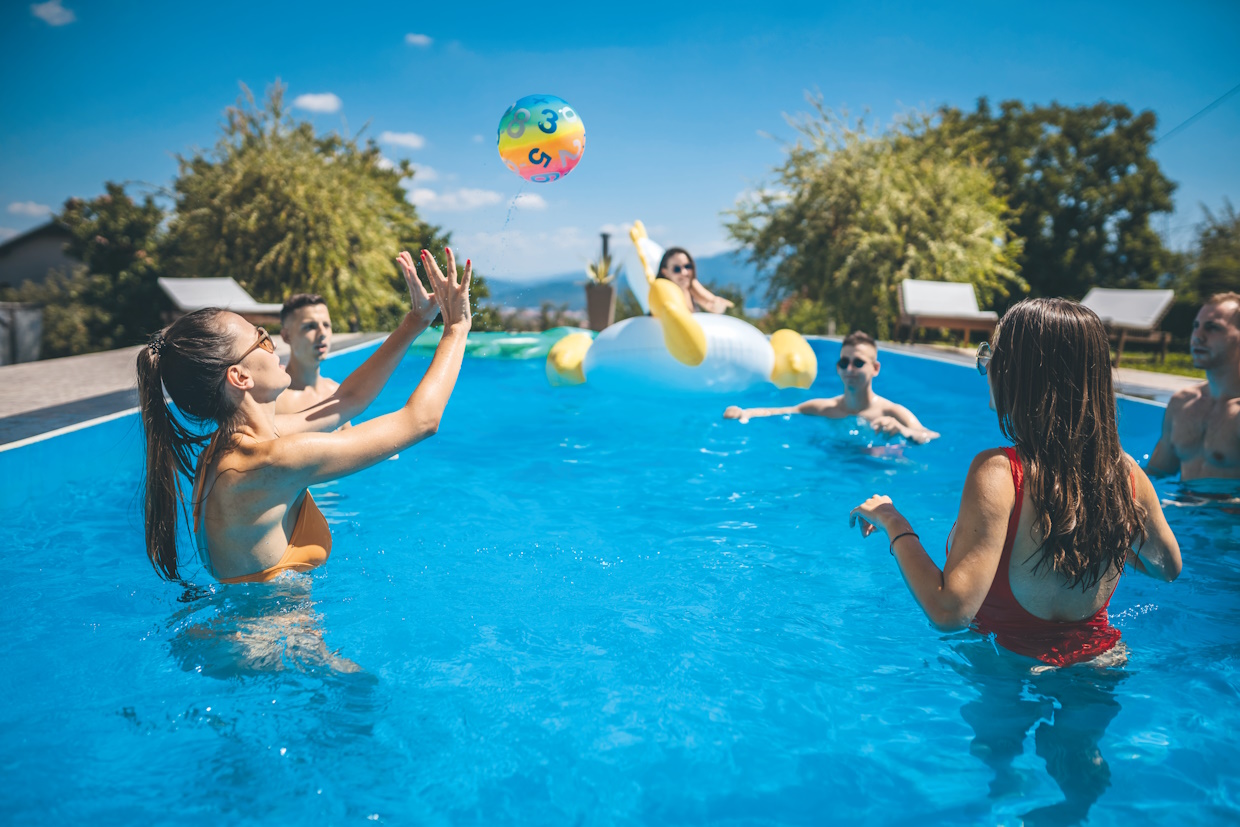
[[309, 546]]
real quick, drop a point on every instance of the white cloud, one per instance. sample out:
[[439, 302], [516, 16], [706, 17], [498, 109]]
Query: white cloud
[[422, 197], [322, 102], [424, 173], [704, 249], [29, 208], [478, 139], [529, 201], [656, 231], [455, 201], [409, 140], [7, 232], [52, 13], [419, 40], [521, 256]]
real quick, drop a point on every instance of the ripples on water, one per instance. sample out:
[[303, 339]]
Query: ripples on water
[[571, 609]]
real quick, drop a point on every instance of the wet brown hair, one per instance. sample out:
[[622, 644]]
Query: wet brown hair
[[1051, 374], [190, 359]]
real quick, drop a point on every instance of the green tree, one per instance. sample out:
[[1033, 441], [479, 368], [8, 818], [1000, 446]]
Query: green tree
[[627, 305], [1217, 257], [851, 214], [283, 210], [1082, 187], [113, 300]]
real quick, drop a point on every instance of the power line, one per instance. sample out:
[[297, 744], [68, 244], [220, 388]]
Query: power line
[[1203, 111]]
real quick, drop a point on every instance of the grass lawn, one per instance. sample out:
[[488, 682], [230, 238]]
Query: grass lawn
[[1180, 364], [1177, 363]]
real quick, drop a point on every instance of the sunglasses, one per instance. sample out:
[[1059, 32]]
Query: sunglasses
[[264, 341], [984, 355], [856, 363], [688, 268]]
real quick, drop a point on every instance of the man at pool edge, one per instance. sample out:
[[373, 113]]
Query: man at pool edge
[[857, 367], [306, 325], [1201, 428]]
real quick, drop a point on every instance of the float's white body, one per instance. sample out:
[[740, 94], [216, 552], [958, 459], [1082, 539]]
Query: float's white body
[[630, 355]]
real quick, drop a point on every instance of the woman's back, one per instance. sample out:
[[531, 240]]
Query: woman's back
[[1027, 605], [244, 518], [1043, 593]]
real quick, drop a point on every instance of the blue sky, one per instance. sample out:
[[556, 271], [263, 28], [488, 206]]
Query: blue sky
[[683, 105]]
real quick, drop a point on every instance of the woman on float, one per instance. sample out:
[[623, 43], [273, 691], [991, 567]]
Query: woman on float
[[254, 517], [677, 266], [1045, 528]]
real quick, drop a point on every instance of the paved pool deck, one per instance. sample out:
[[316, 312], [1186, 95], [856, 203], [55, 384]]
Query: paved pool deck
[[37, 398], [1144, 384]]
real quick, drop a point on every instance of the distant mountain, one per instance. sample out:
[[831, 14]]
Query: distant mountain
[[723, 270], [731, 270]]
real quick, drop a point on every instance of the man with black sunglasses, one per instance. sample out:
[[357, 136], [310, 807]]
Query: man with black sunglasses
[[857, 366]]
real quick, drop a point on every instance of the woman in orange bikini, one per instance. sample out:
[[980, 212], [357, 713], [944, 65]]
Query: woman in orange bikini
[[1045, 528], [253, 514]]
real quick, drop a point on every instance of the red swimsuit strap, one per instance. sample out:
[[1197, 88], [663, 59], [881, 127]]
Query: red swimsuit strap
[[1002, 585]]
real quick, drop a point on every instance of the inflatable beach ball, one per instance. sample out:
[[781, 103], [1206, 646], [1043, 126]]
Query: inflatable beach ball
[[541, 138]]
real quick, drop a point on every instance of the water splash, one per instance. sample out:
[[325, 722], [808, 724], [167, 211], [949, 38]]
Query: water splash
[[512, 205], [503, 235]]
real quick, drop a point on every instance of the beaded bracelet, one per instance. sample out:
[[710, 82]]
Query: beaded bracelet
[[891, 549]]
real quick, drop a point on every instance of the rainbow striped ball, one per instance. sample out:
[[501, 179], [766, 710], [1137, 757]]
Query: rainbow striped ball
[[541, 138]]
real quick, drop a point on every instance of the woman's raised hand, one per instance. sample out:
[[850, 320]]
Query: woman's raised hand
[[876, 512], [423, 305], [452, 296]]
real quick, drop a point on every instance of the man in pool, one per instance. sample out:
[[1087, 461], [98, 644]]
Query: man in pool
[[306, 325], [1201, 428], [857, 367]]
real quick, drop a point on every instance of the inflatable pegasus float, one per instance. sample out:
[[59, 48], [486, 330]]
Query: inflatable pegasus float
[[675, 349]]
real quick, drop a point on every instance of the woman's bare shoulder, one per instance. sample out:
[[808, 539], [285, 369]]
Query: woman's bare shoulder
[[245, 455], [990, 475], [991, 461]]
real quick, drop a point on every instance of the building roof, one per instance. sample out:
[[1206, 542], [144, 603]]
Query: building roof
[[50, 228]]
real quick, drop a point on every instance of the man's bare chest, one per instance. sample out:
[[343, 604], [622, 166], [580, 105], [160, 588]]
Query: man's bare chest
[[1209, 429]]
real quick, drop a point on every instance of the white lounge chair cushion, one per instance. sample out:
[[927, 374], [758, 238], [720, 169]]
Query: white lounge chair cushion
[[194, 294], [942, 299], [1132, 309]]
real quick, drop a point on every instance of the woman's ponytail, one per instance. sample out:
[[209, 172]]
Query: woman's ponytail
[[162, 497], [189, 359]]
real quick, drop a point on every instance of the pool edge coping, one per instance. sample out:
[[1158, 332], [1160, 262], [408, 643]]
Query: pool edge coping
[[100, 420]]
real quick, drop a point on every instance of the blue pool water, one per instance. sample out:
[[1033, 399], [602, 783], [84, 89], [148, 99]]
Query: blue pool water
[[575, 609]]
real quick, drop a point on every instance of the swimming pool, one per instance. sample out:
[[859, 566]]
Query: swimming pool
[[574, 608]]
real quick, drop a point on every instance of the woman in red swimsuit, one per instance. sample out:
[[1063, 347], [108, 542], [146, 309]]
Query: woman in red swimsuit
[[1046, 527]]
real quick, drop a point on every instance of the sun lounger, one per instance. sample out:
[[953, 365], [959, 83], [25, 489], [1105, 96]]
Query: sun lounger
[[949, 304], [1132, 316], [188, 295]]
